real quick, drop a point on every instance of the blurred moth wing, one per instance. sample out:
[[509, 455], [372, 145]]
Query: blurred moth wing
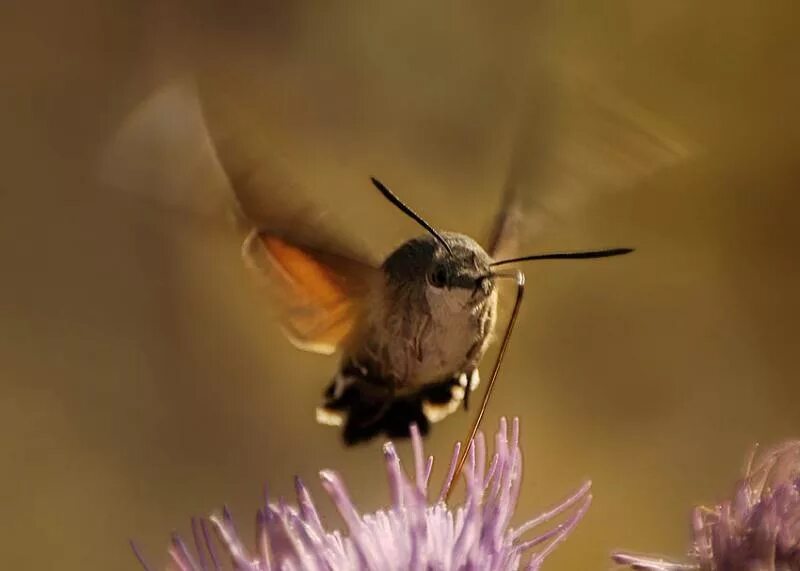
[[320, 295], [176, 151], [593, 141], [320, 281], [162, 155], [504, 236]]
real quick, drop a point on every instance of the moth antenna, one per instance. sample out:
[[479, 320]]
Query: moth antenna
[[520, 278], [391, 197], [567, 256]]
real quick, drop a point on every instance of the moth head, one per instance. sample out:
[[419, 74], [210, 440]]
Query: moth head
[[423, 262]]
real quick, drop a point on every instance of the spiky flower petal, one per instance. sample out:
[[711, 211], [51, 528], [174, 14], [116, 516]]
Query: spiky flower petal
[[756, 530], [412, 533]]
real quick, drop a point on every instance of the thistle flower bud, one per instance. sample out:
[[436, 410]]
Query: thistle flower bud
[[757, 529]]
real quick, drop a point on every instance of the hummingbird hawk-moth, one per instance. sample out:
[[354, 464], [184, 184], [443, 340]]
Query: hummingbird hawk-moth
[[411, 330]]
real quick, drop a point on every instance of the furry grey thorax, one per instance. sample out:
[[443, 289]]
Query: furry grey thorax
[[432, 316]]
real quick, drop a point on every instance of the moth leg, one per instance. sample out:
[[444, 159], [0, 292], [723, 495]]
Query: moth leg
[[441, 399], [338, 386], [419, 337], [337, 400], [474, 381]]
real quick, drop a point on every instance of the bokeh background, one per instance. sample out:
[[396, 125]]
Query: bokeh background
[[143, 379]]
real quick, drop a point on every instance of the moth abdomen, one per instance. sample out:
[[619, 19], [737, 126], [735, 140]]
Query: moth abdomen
[[365, 408]]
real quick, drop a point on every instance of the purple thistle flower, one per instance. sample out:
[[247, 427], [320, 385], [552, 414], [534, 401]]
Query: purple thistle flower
[[411, 534], [757, 530]]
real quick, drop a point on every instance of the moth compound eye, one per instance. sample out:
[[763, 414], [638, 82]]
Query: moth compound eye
[[438, 277]]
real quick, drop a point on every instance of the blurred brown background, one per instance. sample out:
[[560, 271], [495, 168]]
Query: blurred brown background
[[143, 380]]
